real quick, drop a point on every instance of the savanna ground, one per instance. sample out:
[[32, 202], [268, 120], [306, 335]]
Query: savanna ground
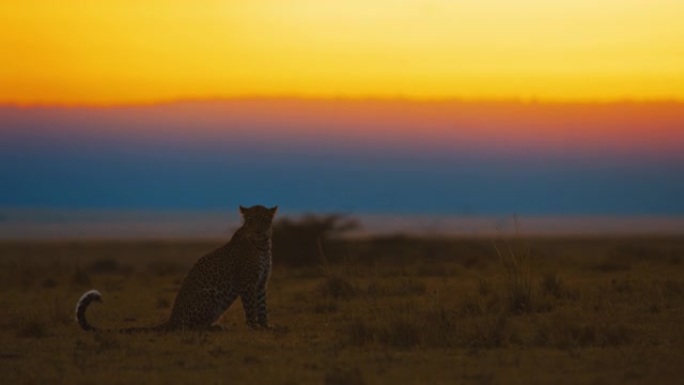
[[392, 310]]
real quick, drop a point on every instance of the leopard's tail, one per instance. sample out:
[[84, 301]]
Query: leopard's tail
[[82, 305], [94, 296]]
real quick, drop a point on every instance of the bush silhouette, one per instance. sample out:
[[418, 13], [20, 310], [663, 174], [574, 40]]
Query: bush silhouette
[[309, 240]]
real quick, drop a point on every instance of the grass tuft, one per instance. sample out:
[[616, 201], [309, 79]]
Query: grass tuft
[[163, 268], [106, 342], [517, 280], [49, 283], [401, 332], [339, 376], [553, 286], [33, 328], [400, 287], [326, 307], [80, 278], [360, 332], [576, 329], [337, 287], [492, 331], [109, 266]]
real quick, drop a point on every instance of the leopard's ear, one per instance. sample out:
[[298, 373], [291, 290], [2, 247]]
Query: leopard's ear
[[243, 210], [273, 210]]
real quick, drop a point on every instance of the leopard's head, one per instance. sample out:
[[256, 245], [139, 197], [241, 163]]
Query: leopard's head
[[258, 218]]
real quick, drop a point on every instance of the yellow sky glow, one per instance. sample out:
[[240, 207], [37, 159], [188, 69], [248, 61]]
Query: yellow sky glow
[[139, 51]]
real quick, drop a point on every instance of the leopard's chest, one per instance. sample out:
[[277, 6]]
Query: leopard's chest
[[251, 259], [265, 263]]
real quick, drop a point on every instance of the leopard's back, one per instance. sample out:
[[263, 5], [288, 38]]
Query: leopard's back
[[204, 294]]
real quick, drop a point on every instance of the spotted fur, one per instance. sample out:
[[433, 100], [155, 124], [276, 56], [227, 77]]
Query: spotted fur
[[239, 268]]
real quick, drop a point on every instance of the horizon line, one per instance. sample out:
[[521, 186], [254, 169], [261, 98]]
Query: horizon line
[[344, 98]]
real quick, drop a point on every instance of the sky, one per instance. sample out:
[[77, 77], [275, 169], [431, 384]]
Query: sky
[[360, 106], [142, 51], [352, 156]]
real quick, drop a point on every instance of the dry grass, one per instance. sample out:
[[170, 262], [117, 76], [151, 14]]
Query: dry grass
[[517, 279], [573, 311]]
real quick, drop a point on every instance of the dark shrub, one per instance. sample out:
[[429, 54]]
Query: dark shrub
[[309, 241]]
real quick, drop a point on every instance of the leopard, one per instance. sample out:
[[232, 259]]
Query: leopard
[[239, 268]]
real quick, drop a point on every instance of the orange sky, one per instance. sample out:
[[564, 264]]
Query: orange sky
[[624, 131], [133, 51]]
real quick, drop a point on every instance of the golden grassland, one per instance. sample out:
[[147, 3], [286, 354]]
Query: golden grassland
[[391, 310]]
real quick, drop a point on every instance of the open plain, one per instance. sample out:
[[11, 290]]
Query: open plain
[[390, 310]]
